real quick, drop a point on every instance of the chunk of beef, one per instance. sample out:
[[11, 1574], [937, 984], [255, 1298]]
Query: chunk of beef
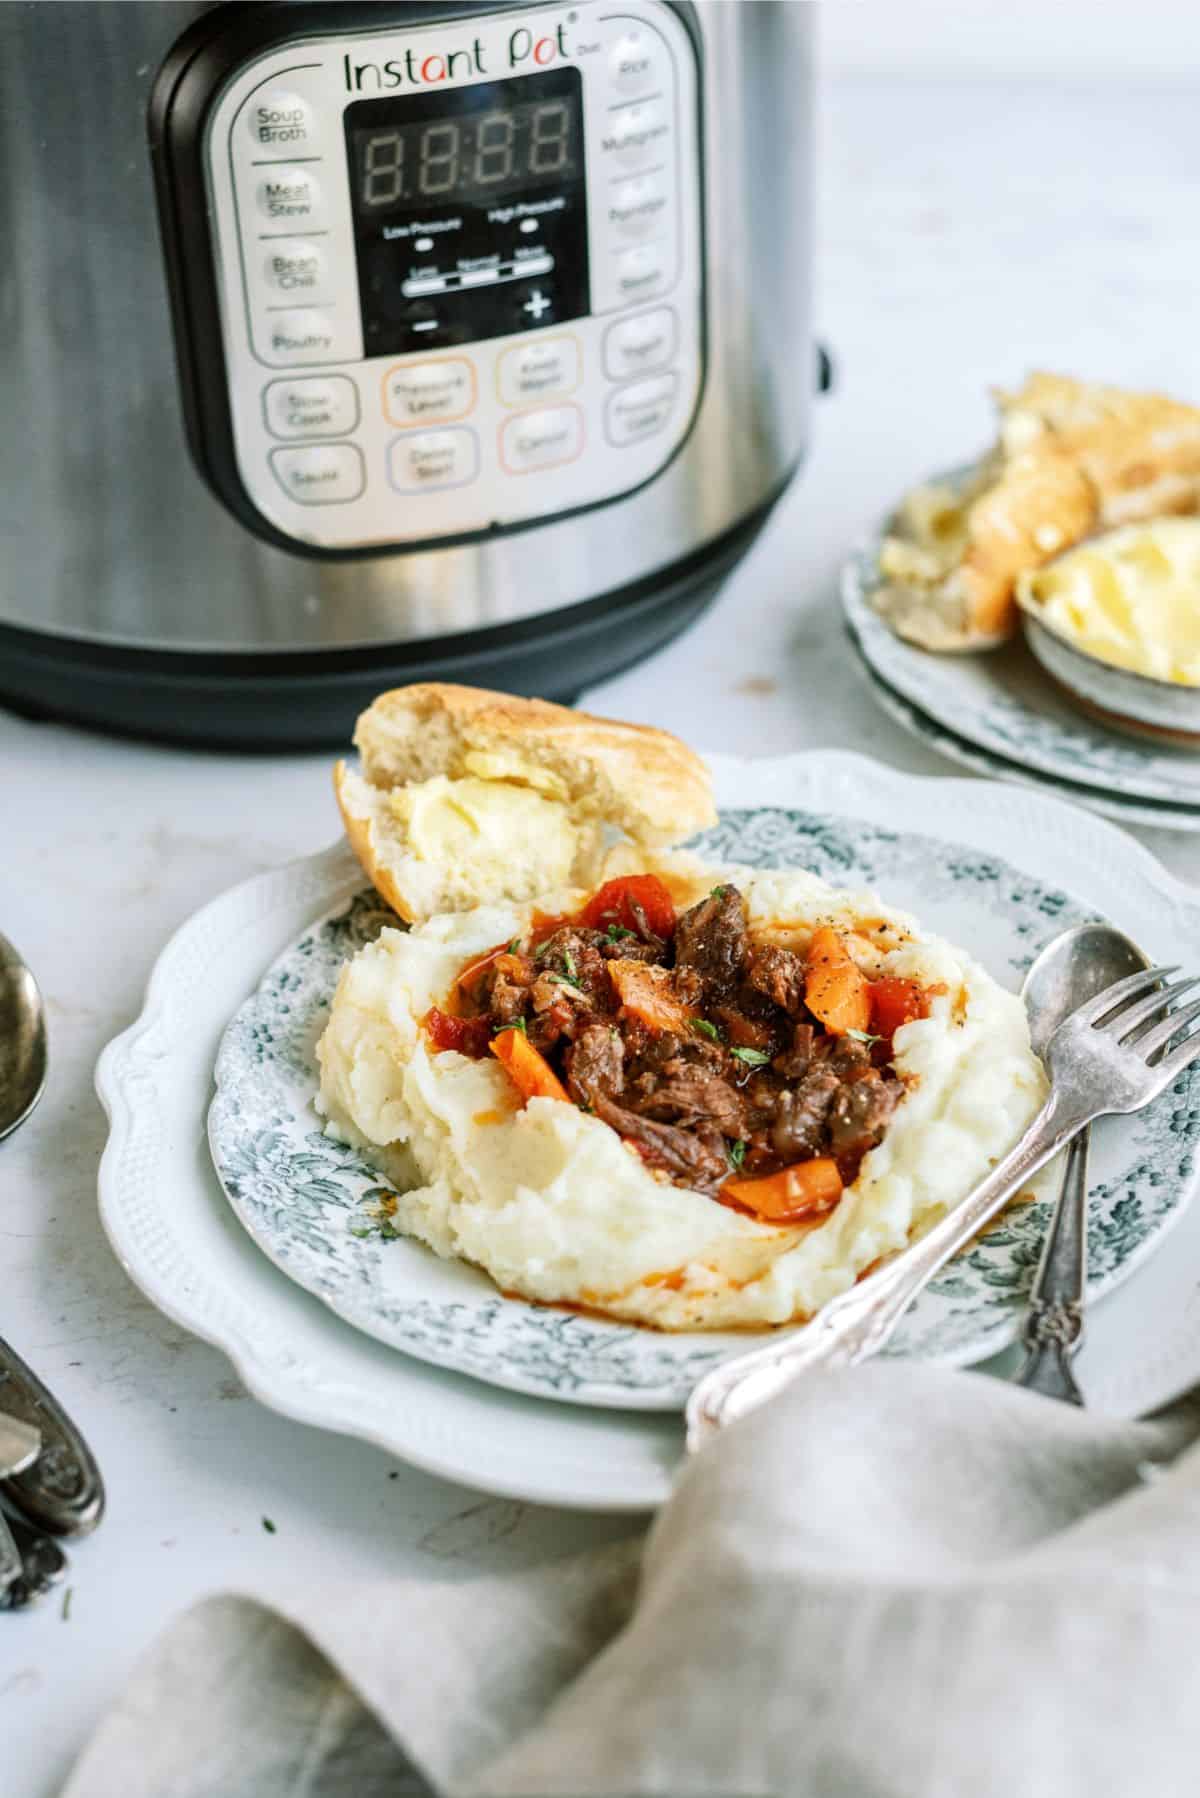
[[711, 939], [794, 1063], [779, 974], [860, 1113], [689, 1097], [575, 954], [800, 1115], [508, 999], [632, 948], [693, 1158], [595, 1065], [743, 1031]]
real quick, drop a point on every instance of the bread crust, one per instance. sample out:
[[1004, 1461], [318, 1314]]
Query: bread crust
[[360, 834]]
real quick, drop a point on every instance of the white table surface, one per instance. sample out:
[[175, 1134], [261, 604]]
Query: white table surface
[[965, 236]]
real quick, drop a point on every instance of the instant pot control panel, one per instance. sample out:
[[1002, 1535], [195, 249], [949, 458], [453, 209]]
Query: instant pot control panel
[[438, 278]]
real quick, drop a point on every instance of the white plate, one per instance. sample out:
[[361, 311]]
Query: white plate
[[969, 755], [1002, 701], [314, 1205], [175, 1234]]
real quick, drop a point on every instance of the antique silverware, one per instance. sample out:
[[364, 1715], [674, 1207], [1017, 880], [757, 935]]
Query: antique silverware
[[1097, 1064], [20, 1445], [22, 1040], [42, 1563], [1075, 966]]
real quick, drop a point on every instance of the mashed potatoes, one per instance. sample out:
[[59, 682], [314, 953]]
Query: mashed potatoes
[[551, 1202]]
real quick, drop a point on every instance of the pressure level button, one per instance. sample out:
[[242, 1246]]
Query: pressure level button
[[280, 121]]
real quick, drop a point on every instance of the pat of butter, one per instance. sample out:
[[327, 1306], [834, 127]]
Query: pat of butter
[[495, 764], [1131, 598], [489, 824]]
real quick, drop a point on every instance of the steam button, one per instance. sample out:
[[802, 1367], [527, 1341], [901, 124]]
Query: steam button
[[281, 121], [327, 474], [632, 62], [286, 194], [640, 273]]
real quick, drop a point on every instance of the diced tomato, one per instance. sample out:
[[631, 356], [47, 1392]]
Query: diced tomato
[[528, 1068], [806, 1189], [895, 1002], [470, 1036], [615, 902]]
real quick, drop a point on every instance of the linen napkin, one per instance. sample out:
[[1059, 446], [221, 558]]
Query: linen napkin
[[894, 1580]]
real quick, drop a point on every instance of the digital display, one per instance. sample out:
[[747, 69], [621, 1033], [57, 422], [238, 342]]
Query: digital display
[[470, 214]]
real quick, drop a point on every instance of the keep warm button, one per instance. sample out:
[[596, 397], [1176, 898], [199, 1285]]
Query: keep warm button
[[328, 476], [639, 410], [542, 439]]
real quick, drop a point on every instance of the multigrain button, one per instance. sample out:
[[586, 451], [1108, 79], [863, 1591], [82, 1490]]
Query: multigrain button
[[640, 273], [280, 121], [435, 392], [293, 266], [638, 206], [639, 410], [633, 62], [541, 439], [301, 336], [316, 406], [539, 370], [636, 133], [638, 345], [427, 461], [325, 475], [286, 196]]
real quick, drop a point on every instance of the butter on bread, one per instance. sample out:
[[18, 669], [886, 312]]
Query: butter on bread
[[1072, 457], [467, 797]]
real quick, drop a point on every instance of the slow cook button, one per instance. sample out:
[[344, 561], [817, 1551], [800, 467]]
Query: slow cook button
[[638, 345], [289, 194], [541, 439], [632, 62], [325, 476], [639, 410], [294, 266], [318, 406], [640, 273], [539, 370], [427, 461], [437, 392], [301, 337], [637, 206], [280, 121]]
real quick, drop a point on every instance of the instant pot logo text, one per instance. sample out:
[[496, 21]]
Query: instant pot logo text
[[525, 49]]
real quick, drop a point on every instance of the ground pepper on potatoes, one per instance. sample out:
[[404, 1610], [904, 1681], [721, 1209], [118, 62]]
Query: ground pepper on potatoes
[[740, 1069]]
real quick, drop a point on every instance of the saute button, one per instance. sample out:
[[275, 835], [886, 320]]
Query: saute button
[[325, 476], [302, 336], [286, 194], [637, 206], [427, 461], [318, 406], [640, 273], [541, 439], [639, 410], [294, 266], [280, 121], [636, 346], [538, 370], [429, 392], [632, 62]]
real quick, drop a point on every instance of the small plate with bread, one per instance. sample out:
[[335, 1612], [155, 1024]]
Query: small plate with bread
[[1043, 604]]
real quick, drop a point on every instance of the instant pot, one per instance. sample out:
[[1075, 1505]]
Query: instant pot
[[348, 345]]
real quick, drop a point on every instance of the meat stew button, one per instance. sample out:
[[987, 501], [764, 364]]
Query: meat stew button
[[427, 461], [640, 409], [328, 474], [541, 439]]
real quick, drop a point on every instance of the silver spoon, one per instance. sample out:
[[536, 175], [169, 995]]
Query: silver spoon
[[1072, 969], [22, 1040]]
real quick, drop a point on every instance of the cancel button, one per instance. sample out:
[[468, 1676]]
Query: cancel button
[[541, 439]]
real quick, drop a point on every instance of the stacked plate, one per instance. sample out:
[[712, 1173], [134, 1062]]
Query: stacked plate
[[998, 713]]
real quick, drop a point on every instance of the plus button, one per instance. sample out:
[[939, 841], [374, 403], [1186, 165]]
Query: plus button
[[536, 304]]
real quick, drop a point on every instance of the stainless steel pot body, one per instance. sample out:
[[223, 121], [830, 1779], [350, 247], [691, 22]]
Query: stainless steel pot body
[[109, 535]]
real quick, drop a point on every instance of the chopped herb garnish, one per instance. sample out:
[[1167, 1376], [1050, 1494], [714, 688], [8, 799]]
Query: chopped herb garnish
[[616, 931], [864, 1036], [569, 964], [753, 1058], [268, 1526], [717, 893], [514, 948], [704, 1028], [736, 1152], [517, 1024], [564, 980]]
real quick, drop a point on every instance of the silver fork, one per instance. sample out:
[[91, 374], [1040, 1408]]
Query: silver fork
[[1097, 1064]]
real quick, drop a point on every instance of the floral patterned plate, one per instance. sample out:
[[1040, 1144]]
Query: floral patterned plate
[[1002, 701], [316, 1208]]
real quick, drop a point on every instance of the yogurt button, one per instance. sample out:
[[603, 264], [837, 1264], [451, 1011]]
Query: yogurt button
[[633, 62], [637, 206], [277, 120], [541, 439], [428, 461], [294, 266], [286, 194], [637, 345], [639, 410], [325, 475], [317, 406], [538, 370]]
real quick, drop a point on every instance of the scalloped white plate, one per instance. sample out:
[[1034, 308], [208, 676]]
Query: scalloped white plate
[[178, 1239]]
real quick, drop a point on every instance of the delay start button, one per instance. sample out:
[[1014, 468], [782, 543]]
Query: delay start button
[[429, 461], [541, 439], [326, 475], [281, 121]]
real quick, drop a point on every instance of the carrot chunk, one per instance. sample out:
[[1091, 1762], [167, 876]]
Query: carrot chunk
[[646, 993], [835, 988], [807, 1189], [527, 1067]]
